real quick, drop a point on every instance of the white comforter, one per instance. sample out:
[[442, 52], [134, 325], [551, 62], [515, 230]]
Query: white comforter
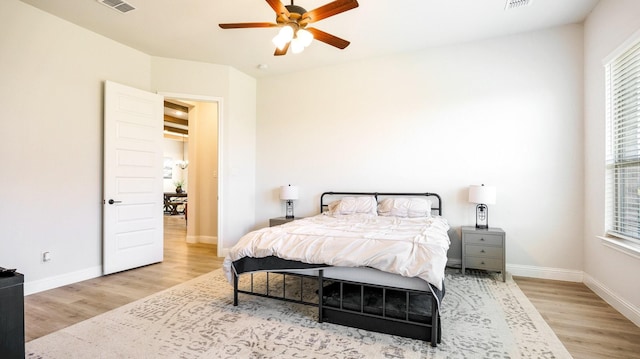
[[411, 247]]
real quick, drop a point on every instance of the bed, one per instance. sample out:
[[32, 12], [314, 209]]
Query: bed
[[369, 260]]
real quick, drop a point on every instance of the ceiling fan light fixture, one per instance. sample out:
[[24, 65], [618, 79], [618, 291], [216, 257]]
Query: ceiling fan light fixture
[[284, 36], [297, 46], [286, 33], [279, 42], [292, 19], [305, 37]]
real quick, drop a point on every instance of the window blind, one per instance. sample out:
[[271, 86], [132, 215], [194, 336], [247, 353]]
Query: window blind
[[623, 143]]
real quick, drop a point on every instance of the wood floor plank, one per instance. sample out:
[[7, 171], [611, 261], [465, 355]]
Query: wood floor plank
[[586, 324]]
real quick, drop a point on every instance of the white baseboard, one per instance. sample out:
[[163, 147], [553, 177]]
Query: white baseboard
[[627, 309], [31, 287], [454, 262], [533, 272], [202, 239], [567, 275]]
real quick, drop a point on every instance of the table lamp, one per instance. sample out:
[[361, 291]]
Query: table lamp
[[482, 195], [289, 193]]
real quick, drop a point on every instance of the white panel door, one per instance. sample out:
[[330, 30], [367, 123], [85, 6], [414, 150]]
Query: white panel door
[[133, 201]]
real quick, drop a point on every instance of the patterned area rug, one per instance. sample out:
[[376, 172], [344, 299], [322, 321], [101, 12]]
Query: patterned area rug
[[481, 318]]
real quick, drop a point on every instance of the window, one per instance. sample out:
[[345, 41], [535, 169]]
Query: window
[[622, 72]]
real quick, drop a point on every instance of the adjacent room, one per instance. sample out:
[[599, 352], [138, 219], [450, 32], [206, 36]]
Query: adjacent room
[[147, 142]]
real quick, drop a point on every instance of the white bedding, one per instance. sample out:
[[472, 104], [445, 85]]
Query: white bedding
[[411, 247]]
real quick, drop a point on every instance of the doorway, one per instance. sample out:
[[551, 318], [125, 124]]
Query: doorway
[[197, 165]]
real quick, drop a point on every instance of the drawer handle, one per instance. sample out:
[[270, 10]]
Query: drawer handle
[[482, 251], [482, 239], [482, 263]]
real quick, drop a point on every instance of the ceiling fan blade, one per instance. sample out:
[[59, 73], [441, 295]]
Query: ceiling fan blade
[[330, 9], [328, 38], [283, 51], [243, 25], [278, 7]]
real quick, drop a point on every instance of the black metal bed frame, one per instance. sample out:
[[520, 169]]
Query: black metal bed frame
[[323, 205], [422, 326]]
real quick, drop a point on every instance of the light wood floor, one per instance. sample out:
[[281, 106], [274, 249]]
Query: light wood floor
[[52, 310], [586, 325]]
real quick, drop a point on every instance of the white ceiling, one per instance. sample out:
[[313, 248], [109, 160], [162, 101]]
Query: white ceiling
[[188, 29]]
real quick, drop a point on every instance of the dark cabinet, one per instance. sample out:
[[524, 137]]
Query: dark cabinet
[[12, 316]]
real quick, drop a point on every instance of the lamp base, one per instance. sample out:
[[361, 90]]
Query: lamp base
[[482, 216], [289, 210]]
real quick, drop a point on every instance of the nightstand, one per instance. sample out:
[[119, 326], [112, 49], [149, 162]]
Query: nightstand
[[484, 249], [280, 220]]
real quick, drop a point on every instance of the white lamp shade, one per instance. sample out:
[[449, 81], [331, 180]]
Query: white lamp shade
[[482, 194], [289, 192], [297, 46], [305, 37], [286, 33], [279, 41], [284, 36]]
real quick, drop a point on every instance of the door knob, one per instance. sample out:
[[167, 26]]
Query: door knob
[[111, 201]]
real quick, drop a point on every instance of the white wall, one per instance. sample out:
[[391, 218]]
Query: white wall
[[610, 273], [238, 155], [51, 100], [203, 177], [51, 89], [505, 112]]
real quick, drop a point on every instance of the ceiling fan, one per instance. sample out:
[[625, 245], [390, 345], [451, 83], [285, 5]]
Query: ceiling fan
[[293, 21]]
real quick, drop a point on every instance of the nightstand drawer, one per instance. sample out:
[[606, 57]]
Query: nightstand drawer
[[483, 238], [484, 263], [483, 251]]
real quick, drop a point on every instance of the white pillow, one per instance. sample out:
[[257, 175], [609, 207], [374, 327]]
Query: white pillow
[[405, 207], [351, 205]]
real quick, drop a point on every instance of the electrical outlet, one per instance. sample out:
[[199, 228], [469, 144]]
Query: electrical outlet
[[46, 256]]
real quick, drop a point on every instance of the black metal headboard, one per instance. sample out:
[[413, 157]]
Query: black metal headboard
[[434, 207]]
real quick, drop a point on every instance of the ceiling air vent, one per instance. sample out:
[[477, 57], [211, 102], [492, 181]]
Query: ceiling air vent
[[512, 4], [118, 5]]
